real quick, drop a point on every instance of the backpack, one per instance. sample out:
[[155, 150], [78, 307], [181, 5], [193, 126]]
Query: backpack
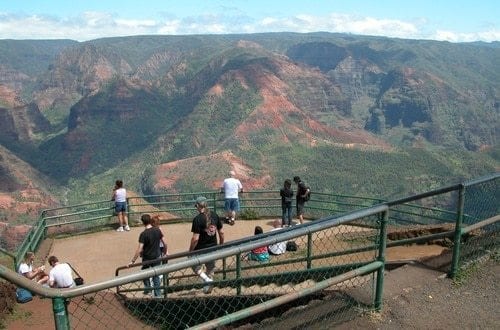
[[23, 295], [308, 195], [291, 246]]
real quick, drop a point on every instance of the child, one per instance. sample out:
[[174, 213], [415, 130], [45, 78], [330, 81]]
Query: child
[[260, 253]]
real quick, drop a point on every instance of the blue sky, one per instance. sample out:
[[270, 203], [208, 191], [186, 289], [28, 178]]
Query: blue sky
[[455, 21]]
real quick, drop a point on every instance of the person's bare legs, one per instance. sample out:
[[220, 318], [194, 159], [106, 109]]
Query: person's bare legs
[[43, 279], [124, 221], [230, 217], [120, 219]]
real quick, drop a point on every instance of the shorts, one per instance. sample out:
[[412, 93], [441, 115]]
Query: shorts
[[300, 207], [120, 207], [231, 204]]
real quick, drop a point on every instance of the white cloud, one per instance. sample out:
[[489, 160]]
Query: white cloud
[[491, 35], [169, 27], [134, 23], [392, 28], [92, 25]]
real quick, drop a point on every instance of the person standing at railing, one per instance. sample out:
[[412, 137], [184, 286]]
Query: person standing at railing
[[286, 194], [149, 249], [231, 187], [205, 228], [36, 274], [302, 192], [120, 199]]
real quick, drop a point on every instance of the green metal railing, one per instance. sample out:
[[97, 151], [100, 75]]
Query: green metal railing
[[93, 216], [341, 252]]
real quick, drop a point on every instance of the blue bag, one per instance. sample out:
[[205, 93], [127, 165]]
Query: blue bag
[[23, 295]]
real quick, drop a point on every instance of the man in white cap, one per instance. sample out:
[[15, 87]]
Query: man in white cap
[[231, 187]]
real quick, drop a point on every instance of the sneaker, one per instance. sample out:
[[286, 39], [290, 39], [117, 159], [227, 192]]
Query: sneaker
[[127, 228], [120, 228], [208, 288], [231, 222]]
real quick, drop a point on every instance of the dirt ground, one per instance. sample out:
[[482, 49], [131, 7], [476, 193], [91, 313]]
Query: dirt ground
[[420, 298], [414, 297]]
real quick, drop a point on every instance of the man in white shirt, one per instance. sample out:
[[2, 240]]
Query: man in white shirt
[[280, 247], [231, 187], [61, 274]]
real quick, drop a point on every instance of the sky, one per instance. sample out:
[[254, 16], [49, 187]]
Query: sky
[[81, 20]]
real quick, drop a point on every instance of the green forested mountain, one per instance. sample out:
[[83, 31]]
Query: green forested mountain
[[357, 115]]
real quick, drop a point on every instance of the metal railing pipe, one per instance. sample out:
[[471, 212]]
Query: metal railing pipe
[[458, 232], [247, 312], [60, 310], [424, 195], [481, 224], [379, 289], [482, 179]]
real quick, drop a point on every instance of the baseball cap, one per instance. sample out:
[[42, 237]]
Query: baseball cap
[[201, 200]]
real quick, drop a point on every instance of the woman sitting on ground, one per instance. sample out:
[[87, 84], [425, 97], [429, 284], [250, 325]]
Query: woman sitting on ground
[[36, 274]]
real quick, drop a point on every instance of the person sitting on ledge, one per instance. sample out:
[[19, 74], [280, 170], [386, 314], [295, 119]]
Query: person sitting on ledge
[[36, 274], [61, 274]]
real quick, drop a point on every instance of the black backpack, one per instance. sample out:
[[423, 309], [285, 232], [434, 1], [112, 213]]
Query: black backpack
[[291, 246], [308, 195]]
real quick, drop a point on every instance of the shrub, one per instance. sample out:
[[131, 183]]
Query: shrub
[[249, 214]]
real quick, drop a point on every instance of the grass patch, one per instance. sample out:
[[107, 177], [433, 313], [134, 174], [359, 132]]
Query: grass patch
[[249, 214], [464, 274], [20, 315]]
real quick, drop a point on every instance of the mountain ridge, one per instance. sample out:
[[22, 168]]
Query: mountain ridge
[[279, 103]]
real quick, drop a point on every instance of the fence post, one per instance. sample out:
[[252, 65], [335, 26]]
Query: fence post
[[458, 232], [238, 273], [379, 289], [309, 250], [127, 213], [214, 197], [60, 310], [43, 222]]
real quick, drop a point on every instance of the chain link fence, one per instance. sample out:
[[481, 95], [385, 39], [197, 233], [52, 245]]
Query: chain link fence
[[181, 299], [481, 203]]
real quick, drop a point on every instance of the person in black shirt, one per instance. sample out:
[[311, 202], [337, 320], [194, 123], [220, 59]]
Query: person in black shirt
[[149, 249], [286, 194], [302, 192], [205, 228]]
